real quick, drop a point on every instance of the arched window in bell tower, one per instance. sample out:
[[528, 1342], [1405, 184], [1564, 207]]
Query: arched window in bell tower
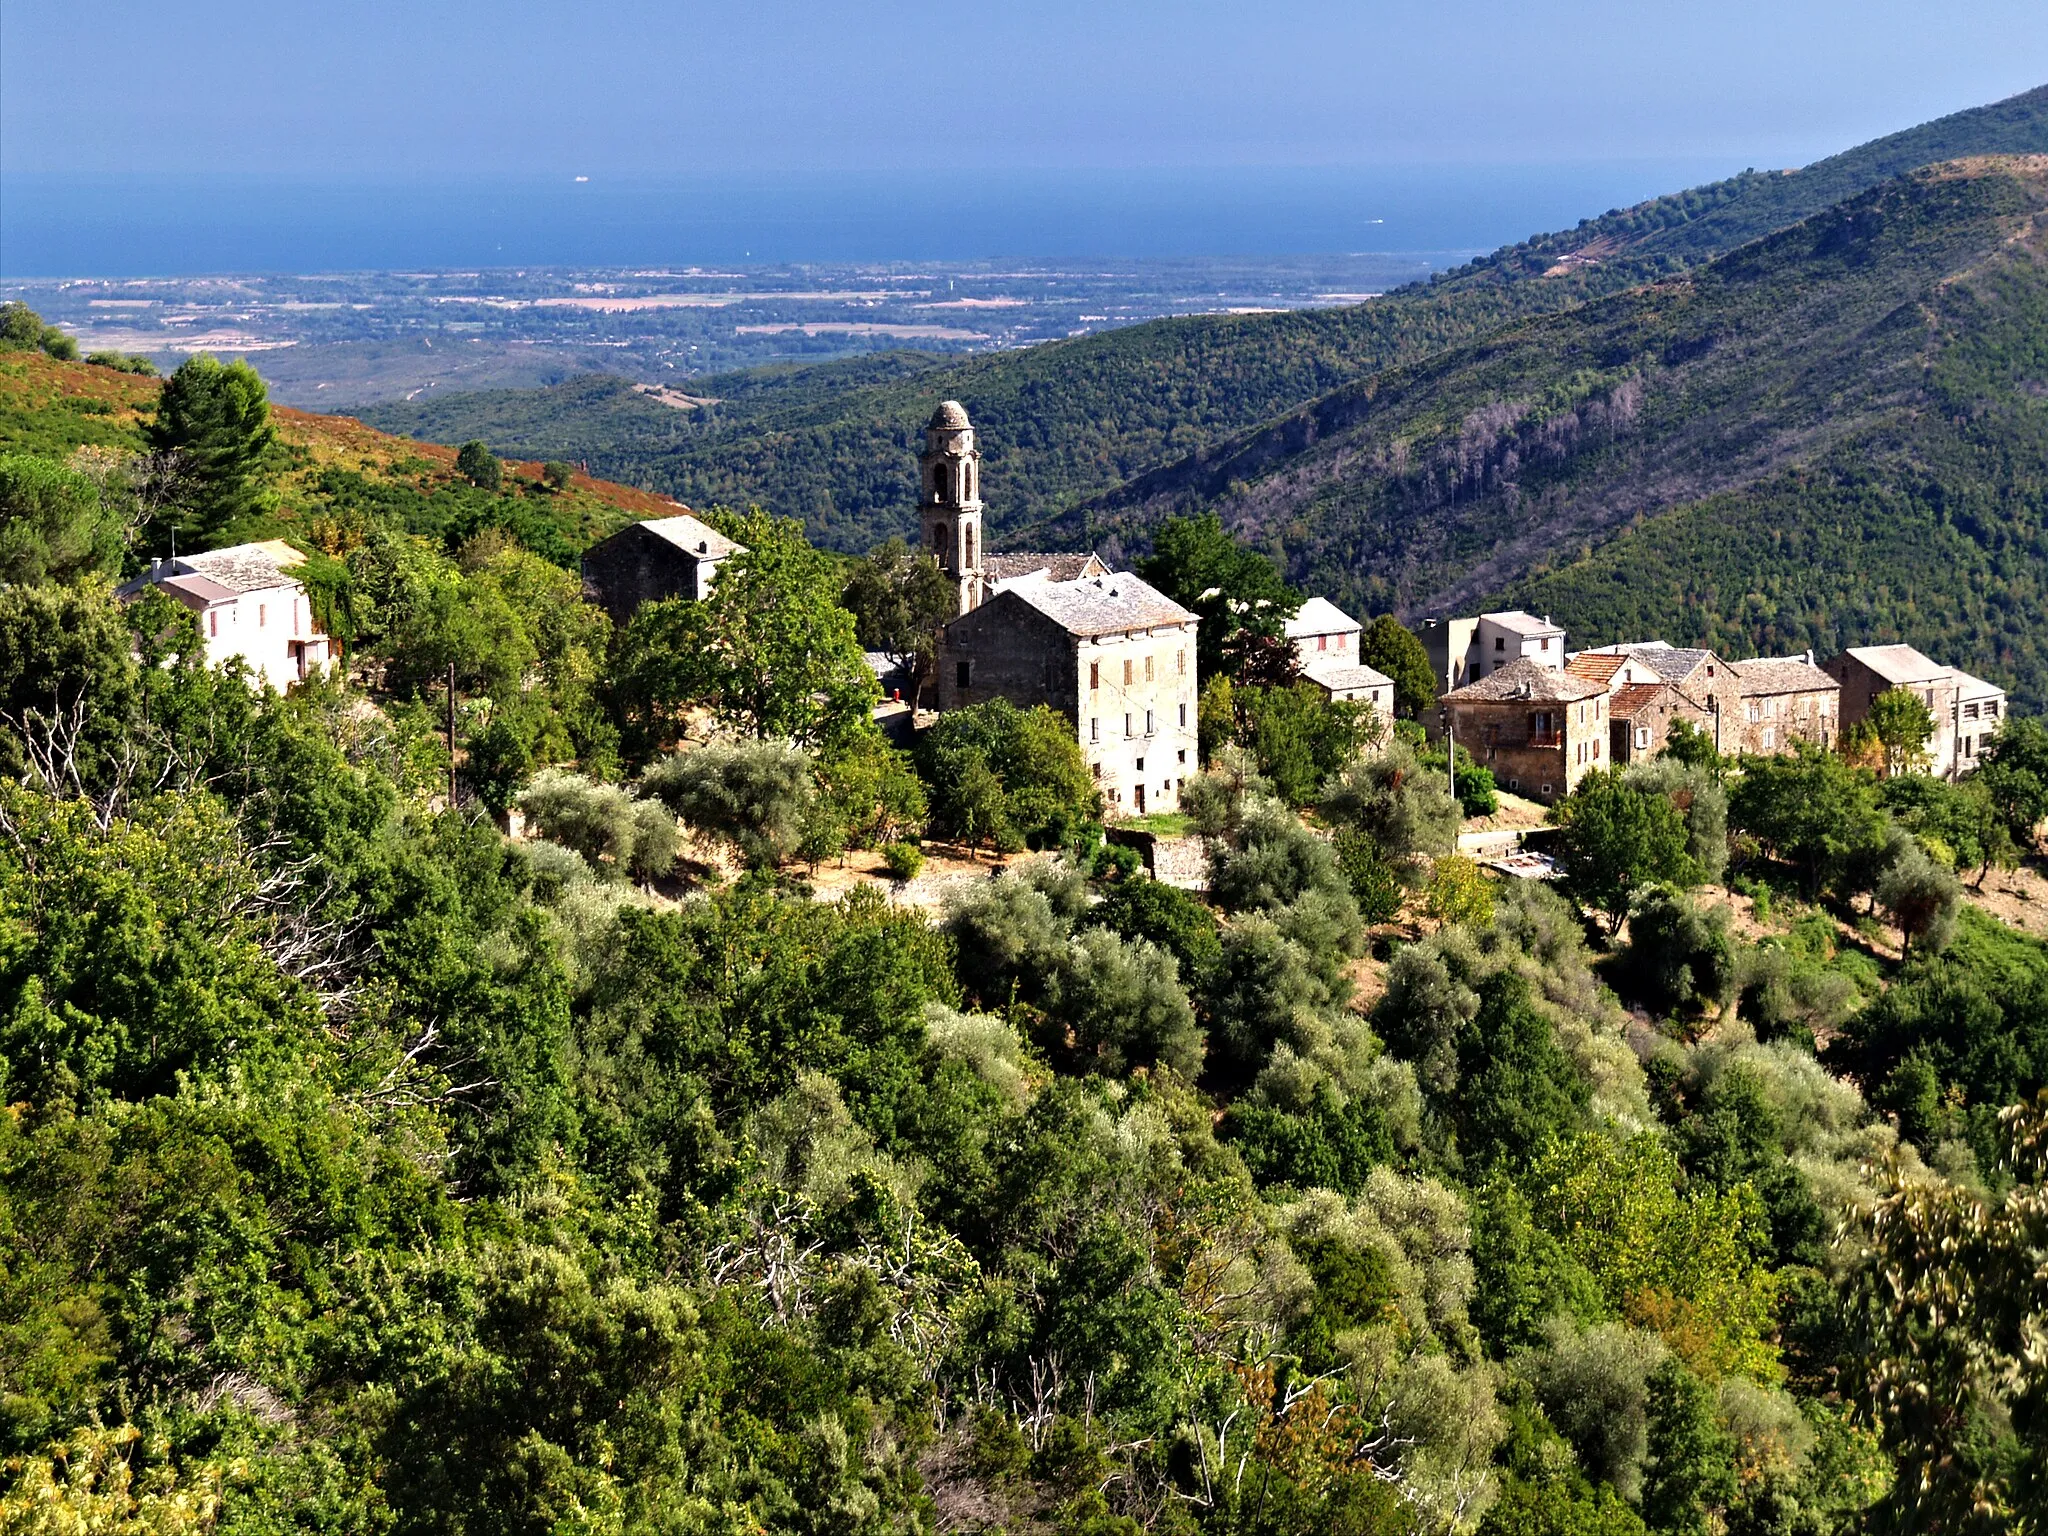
[[970, 547], [972, 475], [938, 482], [938, 536]]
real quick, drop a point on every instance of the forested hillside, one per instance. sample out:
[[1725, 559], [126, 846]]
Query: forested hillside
[[695, 1163], [1835, 435], [1068, 420]]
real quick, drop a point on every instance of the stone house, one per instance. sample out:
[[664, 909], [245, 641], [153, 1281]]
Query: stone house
[[249, 606], [649, 561], [1110, 652], [1967, 710], [1537, 727], [1640, 717], [1462, 650], [1783, 700], [1323, 634]]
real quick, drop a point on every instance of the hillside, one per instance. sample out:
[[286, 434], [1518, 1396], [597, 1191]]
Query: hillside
[[1066, 421], [339, 470], [1838, 433]]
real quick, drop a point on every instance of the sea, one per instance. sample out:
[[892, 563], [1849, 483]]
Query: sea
[[54, 226]]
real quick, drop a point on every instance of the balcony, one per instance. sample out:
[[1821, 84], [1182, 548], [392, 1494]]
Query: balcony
[[1546, 739]]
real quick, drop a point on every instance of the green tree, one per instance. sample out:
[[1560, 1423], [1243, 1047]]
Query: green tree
[[556, 475], [898, 598], [215, 417], [1391, 799], [1813, 810], [1243, 602], [1615, 838], [55, 525], [2013, 770], [995, 771], [1919, 894], [754, 794], [1391, 648], [1689, 743], [475, 462], [1902, 724], [1690, 1476], [1300, 736]]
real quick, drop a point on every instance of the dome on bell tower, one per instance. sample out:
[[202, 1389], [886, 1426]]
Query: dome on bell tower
[[951, 416]]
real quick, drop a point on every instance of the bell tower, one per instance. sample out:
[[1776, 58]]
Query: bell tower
[[949, 500]]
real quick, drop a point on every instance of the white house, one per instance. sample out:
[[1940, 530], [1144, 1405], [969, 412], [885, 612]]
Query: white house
[[1324, 633], [1462, 651], [248, 605]]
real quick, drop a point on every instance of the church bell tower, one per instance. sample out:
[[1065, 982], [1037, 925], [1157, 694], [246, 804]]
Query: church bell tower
[[949, 500]]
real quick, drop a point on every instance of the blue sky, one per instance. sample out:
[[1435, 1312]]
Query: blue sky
[[434, 88]]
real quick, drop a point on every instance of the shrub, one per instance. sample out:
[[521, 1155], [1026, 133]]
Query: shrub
[[555, 474], [1460, 892], [475, 462], [754, 794], [902, 860], [614, 832], [1679, 956], [1375, 881]]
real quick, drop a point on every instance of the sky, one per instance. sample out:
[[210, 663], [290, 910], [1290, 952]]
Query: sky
[[433, 89]]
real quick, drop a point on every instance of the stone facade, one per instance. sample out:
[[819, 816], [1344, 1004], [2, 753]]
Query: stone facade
[[1640, 717], [1967, 710], [1538, 728], [1110, 653], [651, 561], [1461, 651], [1782, 701]]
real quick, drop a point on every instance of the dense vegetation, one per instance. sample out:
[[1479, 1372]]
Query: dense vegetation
[[365, 1170], [1069, 420]]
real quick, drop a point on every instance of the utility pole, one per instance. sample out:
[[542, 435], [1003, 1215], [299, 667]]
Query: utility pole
[[451, 735], [1450, 752]]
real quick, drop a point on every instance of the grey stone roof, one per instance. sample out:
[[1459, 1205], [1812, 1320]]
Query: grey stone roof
[[1522, 623], [1968, 687], [239, 568], [1899, 663], [1319, 616], [1108, 604], [1523, 679], [1673, 663], [693, 536], [1356, 675], [1780, 674], [1058, 565], [951, 416]]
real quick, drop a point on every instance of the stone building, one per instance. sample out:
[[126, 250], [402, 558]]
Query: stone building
[[249, 606], [1966, 709], [1537, 727], [1110, 652], [1640, 717], [1325, 640], [646, 562], [1784, 700], [1462, 650]]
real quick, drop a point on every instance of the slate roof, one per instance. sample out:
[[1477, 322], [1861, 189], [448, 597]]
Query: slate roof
[[203, 590], [244, 567], [1781, 674], [950, 416], [1108, 604], [1058, 565], [693, 536], [1673, 663], [1522, 623], [1542, 686], [1354, 676], [1968, 687], [1319, 616]]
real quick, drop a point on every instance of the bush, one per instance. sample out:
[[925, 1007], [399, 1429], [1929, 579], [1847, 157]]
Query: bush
[[1679, 955], [902, 860], [1460, 892], [614, 833], [1375, 881], [1391, 798], [555, 474], [754, 794], [1014, 777]]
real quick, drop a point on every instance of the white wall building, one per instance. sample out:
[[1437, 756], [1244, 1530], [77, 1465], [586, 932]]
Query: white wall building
[[1462, 651], [250, 608]]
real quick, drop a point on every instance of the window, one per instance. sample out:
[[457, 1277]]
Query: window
[[1991, 709], [1096, 769], [938, 536], [1546, 791], [1094, 675], [1149, 727], [1183, 717], [1969, 711], [960, 673], [1128, 732], [1642, 738], [1500, 643], [262, 614], [1148, 669], [1770, 737], [1322, 642], [1343, 641], [1095, 729], [968, 536], [1596, 749], [1180, 662], [1756, 711], [1545, 645], [1514, 786], [1183, 754], [213, 623]]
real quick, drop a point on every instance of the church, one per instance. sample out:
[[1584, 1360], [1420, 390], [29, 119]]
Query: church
[[1113, 654]]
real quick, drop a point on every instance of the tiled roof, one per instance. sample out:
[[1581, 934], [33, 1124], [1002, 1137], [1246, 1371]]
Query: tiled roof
[[1319, 616], [1523, 679], [1596, 666], [1355, 675], [693, 536], [1101, 605], [1899, 663], [1058, 565], [1634, 697], [1778, 674]]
